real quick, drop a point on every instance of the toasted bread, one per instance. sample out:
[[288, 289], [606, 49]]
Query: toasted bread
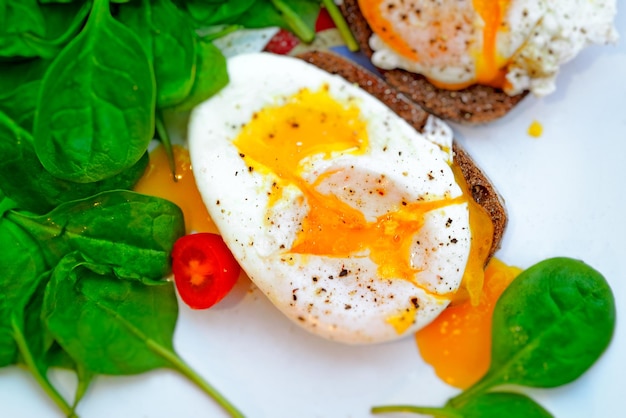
[[483, 191], [475, 104]]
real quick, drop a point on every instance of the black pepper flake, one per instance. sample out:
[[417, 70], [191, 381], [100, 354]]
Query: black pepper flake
[[448, 222], [314, 279], [454, 240], [347, 306], [415, 302], [242, 155], [343, 273]]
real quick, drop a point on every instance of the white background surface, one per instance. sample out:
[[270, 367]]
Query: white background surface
[[565, 196]]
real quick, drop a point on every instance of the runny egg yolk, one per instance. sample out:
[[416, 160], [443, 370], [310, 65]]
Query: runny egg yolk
[[438, 35], [458, 343], [280, 139], [158, 181]]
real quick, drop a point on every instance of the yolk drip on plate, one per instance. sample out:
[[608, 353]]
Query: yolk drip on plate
[[446, 35], [158, 181], [458, 343]]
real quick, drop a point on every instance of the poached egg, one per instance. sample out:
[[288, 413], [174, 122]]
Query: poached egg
[[515, 45], [352, 223]]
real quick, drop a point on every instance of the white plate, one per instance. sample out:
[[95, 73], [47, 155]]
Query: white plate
[[565, 196]]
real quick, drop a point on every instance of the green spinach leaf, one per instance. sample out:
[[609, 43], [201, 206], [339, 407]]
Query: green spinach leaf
[[549, 326], [96, 106], [17, 18], [21, 264], [210, 13], [129, 231], [503, 404], [108, 324], [487, 405], [6, 204], [19, 89], [115, 326], [170, 41], [39, 30], [211, 76], [26, 181]]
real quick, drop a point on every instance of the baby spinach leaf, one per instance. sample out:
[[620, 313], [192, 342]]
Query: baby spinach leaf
[[19, 18], [549, 326], [43, 30], [170, 41], [21, 264], [115, 326], [6, 204], [486, 405], [211, 76], [39, 191], [129, 231], [96, 106], [210, 13], [503, 404], [108, 324], [19, 89], [20, 103]]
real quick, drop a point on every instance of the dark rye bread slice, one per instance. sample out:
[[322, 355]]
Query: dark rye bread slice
[[483, 191], [472, 105]]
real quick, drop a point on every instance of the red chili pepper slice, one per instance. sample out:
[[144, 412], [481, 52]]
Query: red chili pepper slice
[[204, 269]]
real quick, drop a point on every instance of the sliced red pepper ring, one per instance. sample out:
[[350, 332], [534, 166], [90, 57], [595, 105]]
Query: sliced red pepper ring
[[205, 270]]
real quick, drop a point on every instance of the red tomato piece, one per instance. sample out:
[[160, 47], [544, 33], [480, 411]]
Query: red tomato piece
[[204, 269], [324, 21], [282, 43]]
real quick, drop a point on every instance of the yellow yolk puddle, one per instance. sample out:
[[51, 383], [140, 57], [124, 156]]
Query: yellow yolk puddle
[[158, 181], [458, 343], [490, 67]]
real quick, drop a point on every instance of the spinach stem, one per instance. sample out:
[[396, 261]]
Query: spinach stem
[[45, 384], [179, 365], [164, 136], [210, 37], [342, 25], [299, 28], [488, 381], [436, 412]]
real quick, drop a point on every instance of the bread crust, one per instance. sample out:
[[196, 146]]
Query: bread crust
[[482, 190], [475, 104]]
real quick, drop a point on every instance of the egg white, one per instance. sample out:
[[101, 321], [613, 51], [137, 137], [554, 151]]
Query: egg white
[[339, 298]]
